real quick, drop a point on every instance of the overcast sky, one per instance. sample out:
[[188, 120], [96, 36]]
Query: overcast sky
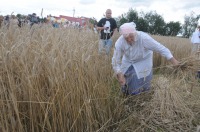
[[170, 10]]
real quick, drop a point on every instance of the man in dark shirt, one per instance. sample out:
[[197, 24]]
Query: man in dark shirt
[[34, 19], [107, 27]]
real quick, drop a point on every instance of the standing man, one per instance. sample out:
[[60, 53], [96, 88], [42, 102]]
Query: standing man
[[107, 27], [34, 19], [196, 41], [196, 46]]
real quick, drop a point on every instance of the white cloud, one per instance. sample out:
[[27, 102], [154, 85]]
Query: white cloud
[[87, 1]]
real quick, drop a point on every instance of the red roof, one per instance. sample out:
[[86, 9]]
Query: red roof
[[81, 20]]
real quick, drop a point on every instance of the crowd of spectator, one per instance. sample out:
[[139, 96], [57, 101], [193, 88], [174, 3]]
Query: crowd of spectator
[[32, 19]]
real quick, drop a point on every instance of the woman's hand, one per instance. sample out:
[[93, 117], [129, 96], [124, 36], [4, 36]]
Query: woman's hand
[[174, 62], [121, 79]]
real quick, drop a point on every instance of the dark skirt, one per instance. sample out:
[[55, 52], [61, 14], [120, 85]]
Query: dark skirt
[[134, 85]]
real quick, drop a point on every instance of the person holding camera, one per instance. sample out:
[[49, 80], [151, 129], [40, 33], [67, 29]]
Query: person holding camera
[[107, 27]]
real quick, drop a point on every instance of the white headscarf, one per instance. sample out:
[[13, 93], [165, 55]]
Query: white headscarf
[[127, 28]]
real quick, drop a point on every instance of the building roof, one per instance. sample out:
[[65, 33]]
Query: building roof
[[81, 20]]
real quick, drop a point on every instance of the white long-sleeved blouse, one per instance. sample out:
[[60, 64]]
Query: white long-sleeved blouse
[[139, 54], [195, 37]]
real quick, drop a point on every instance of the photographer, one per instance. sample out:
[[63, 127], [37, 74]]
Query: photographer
[[106, 26]]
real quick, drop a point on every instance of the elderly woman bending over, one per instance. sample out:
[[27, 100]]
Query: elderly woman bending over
[[133, 59]]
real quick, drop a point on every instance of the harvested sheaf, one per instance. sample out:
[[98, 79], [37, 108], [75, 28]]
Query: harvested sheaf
[[190, 63], [172, 104]]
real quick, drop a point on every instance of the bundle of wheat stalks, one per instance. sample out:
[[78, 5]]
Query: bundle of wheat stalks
[[190, 63], [172, 105]]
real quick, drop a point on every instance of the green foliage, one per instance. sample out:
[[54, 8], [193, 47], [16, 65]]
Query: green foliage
[[190, 24], [121, 20], [156, 23], [173, 28], [153, 23], [93, 21], [142, 25], [132, 15], [19, 15]]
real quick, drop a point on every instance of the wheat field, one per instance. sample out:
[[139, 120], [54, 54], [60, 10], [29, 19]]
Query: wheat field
[[54, 80]]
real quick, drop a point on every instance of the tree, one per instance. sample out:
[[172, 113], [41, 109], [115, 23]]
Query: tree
[[132, 16], [156, 23], [121, 20], [172, 28], [142, 25], [19, 15], [190, 24]]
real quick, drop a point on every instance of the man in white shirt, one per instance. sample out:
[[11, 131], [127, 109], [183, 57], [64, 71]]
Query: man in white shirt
[[132, 60], [195, 40]]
